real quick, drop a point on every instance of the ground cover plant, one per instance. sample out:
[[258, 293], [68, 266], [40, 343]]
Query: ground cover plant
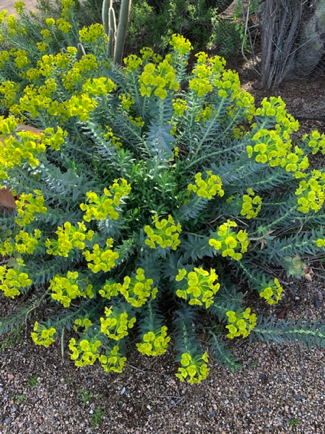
[[154, 195]]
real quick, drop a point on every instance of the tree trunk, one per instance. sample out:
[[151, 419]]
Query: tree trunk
[[280, 25]]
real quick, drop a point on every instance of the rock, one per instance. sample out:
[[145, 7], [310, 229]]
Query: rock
[[317, 303], [310, 42]]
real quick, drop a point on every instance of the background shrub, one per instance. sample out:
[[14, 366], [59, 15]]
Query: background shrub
[[152, 23]]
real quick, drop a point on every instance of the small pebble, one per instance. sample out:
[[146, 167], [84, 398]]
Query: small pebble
[[317, 303]]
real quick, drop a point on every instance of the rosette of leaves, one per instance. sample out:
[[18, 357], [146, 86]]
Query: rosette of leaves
[[133, 201]]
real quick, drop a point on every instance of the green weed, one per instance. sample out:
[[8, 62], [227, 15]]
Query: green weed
[[97, 416]]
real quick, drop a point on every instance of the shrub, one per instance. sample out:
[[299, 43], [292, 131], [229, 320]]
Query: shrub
[[227, 36], [155, 195], [152, 23]]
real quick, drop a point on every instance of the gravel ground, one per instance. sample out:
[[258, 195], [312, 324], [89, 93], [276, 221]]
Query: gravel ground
[[280, 389], [278, 386]]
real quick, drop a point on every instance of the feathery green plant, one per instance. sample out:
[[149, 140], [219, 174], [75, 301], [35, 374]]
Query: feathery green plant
[[153, 195]]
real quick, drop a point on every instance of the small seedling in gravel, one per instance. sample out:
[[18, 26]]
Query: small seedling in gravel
[[294, 422], [68, 380], [254, 363], [19, 398], [33, 381], [13, 338], [85, 396], [97, 416]]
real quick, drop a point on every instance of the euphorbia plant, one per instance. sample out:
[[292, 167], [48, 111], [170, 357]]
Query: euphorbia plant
[[150, 186]]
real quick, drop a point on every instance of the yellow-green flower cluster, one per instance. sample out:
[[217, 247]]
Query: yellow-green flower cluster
[[66, 289], [271, 149], [320, 242], [109, 290], [19, 6], [228, 84], [28, 206], [98, 86], [63, 25], [81, 106], [272, 291], [4, 57], [201, 85], [181, 45], [24, 147], [154, 342], [205, 113], [26, 243], [311, 192], [194, 369], [116, 323], [9, 90], [23, 243], [228, 241], [240, 323], [114, 141], [158, 79], [82, 322], [13, 279], [3, 15], [199, 286], [208, 188], [15, 27], [42, 46], [92, 34], [137, 121], [165, 234], [7, 125], [7, 247], [126, 101], [132, 62], [50, 22], [45, 65], [104, 206], [316, 142], [275, 109], [67, 8], [179, 106], [80, 72], [147, 53], [53, 139], [210, 75], [46, 34], [86, 350], [36, 100], [69, 237], [136, 290], [21, 59], [251, 204], [51, 65], [102, 259], [112, 361], [42, 335]]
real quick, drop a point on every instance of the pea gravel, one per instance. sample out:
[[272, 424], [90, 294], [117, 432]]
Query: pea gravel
[[278, 386]]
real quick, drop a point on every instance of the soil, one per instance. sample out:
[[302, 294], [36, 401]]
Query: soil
[[8, 5], [280, 389]]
